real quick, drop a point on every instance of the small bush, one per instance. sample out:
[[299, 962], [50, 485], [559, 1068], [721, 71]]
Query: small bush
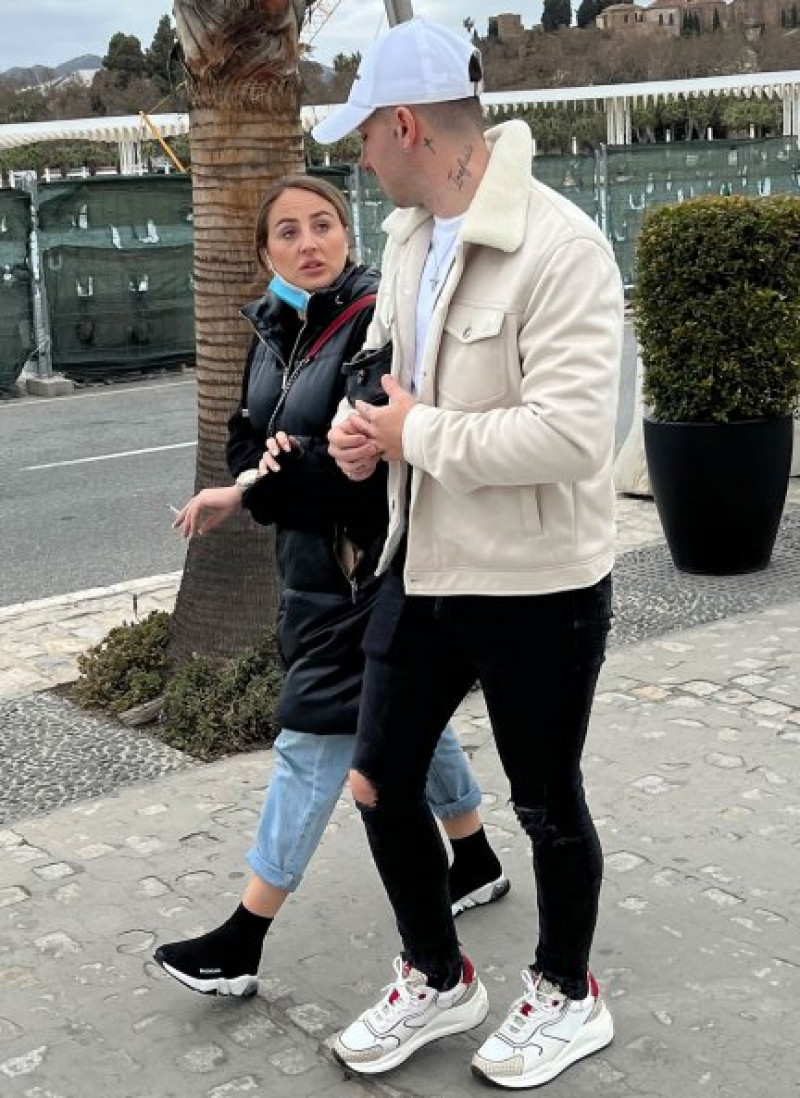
[[216, 707], [212, 707], [718, 309], [127, 668]]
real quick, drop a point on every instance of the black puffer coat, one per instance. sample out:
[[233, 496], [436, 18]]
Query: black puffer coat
[[324, 605]]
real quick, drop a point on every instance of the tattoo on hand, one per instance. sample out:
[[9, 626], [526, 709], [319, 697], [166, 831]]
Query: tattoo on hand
[[462, 172]]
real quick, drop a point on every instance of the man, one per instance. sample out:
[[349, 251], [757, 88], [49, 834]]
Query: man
[[504, 307]]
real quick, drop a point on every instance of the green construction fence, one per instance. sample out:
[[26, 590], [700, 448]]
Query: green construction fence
[[633, 179], [116, 259], [16, 303]]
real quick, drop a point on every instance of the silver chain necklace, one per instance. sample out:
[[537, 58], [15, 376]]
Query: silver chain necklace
[[441, 266]]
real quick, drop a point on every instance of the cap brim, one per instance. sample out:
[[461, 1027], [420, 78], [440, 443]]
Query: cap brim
[[340, 123]]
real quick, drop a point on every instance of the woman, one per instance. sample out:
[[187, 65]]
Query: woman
[[329, 532]]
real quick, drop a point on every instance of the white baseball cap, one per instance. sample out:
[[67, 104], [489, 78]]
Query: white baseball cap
[[418, 61]]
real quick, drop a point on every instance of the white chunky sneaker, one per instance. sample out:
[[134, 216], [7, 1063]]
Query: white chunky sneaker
[[409, 1016], [543, 1034]]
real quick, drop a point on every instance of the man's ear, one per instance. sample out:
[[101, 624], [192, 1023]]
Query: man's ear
[[405, 127]]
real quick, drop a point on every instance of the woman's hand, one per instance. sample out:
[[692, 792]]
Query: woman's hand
[[207, 510], [281, 443]]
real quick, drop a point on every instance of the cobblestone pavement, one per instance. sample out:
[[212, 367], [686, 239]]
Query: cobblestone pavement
[[692, 773], [112, 843], [54, 753]]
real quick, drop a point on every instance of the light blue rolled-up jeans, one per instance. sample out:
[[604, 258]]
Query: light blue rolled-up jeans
[[307, 780]]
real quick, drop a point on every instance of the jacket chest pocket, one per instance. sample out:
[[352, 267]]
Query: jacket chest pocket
[[472, 365]]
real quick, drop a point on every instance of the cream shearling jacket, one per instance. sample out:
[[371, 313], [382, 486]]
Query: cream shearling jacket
[[511, 444]]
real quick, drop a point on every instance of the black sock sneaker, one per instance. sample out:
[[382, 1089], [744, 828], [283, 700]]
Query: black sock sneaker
[[224, 961], [476, 876]]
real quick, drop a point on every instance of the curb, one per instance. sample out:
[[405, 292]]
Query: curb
[[90, 594]]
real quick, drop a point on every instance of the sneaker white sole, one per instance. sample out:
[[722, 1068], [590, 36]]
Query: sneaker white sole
[[495, 890], [240, 987], [595, 1035], [457, 1020]]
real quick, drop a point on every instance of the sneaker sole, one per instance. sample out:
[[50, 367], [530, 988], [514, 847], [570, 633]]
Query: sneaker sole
[[595, 1037], [487, 894], [471, 1016], [240, 987]]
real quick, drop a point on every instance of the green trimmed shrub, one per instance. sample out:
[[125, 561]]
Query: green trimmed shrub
[[211, 708], [718, 309], [127, 668], [216, 707]]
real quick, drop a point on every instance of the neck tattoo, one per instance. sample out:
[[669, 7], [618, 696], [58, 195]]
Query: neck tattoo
[[461, 172]]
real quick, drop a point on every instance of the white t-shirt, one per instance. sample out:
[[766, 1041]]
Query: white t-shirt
[[437, 266]]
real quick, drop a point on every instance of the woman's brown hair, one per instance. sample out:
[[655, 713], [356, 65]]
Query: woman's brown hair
[[298, 182]]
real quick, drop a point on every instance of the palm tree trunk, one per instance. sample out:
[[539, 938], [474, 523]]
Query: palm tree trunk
[[245, 132]]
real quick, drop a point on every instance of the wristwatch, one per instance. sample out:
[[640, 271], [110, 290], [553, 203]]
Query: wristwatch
[[247, 479]]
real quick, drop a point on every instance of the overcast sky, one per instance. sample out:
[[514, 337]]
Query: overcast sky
[[49, 32]]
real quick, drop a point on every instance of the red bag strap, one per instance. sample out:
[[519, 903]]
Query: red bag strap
[[354, 307]]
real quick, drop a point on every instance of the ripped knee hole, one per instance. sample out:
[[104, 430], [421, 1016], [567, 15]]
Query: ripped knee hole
[[364, 792]]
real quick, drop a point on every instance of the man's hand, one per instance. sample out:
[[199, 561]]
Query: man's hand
[[384, 426], [352, 450]]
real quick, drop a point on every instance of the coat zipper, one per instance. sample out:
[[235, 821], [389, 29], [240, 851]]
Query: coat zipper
[[289, 377]]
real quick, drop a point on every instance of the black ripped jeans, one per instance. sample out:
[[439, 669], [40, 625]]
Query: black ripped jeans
[[537, 658]]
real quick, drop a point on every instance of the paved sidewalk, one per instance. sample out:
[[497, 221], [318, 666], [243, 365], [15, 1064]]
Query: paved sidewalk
[[39, 641], [691, 768]]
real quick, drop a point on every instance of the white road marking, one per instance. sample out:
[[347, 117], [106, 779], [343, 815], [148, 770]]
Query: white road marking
[[108, 457], [124, 389]]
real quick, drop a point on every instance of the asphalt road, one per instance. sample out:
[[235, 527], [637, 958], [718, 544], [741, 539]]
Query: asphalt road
[[115, 457]]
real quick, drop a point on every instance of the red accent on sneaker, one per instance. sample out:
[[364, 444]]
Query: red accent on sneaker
[[594, 989], [395, 995], [526, 1008], [467, 969]]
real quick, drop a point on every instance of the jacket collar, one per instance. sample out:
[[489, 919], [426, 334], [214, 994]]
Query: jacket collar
[[504, 187], [269, 311]]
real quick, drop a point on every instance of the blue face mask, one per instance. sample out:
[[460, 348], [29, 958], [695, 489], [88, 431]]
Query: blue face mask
[[292, 295]]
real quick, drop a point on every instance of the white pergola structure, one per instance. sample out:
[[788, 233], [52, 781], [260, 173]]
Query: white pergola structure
[[127, 131], [619, 100], [616, 100]]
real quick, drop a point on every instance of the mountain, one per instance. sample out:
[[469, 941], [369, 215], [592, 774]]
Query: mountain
[[36, 75], [85, 61]]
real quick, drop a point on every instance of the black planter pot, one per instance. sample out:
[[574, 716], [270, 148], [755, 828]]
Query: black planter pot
[[720, 490]]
